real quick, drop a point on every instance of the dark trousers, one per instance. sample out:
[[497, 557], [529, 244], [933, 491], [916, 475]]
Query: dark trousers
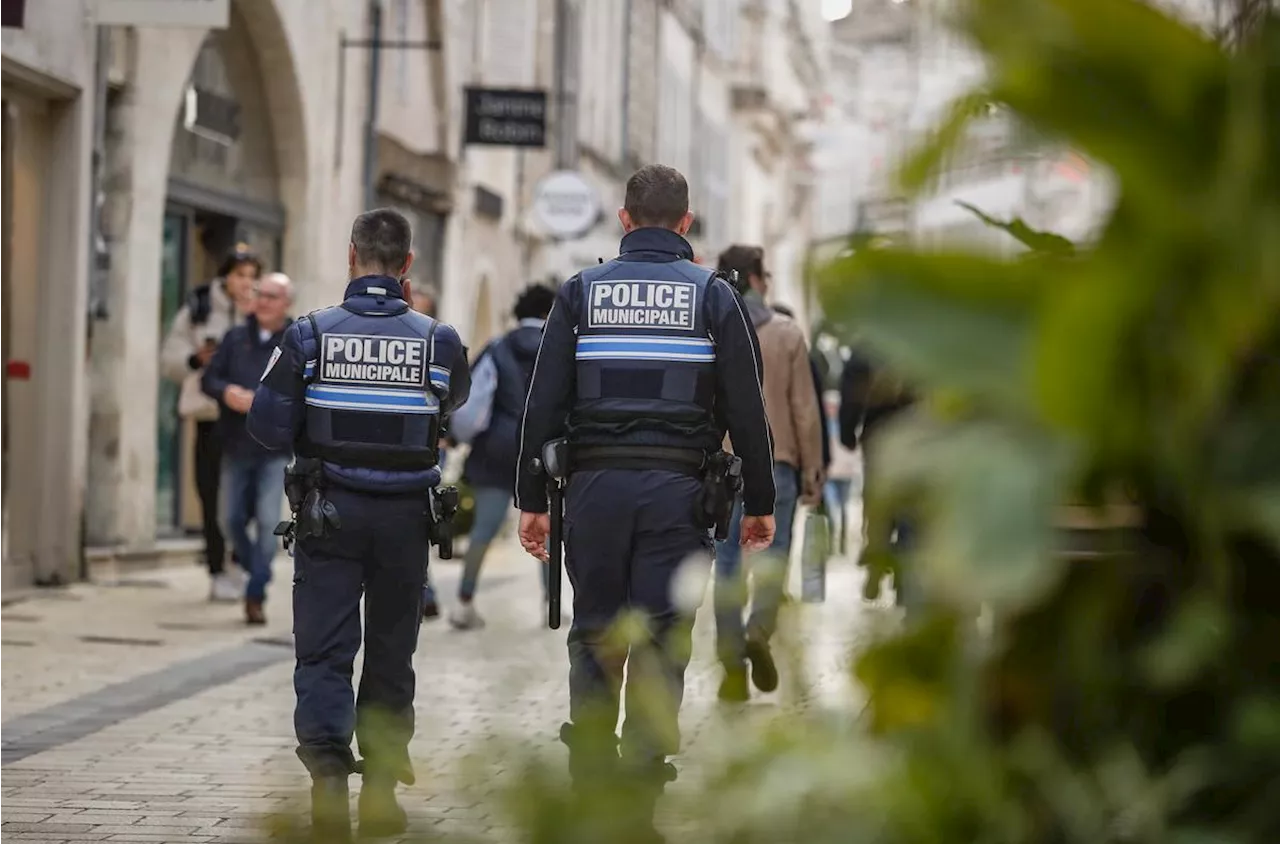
[[627, 533], [377, 553], [208, 479]]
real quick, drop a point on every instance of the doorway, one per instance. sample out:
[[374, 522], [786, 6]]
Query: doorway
[[195, 240], [27, 139]]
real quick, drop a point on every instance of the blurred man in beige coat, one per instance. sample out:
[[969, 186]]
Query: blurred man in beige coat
[[796, 425]]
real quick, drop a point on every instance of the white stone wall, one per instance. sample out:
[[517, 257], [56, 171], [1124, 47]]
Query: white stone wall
[[51, 60]]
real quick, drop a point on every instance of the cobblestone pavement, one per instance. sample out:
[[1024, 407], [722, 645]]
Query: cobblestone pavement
[[133, 710]]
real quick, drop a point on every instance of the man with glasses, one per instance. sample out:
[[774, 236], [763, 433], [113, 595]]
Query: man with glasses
[[252, 477]]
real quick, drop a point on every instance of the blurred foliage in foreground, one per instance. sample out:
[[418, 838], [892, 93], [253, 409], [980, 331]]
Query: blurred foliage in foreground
[[1132, 695]]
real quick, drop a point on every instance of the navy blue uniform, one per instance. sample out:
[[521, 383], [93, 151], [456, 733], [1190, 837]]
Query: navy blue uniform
[[363, 387], [648, 351]]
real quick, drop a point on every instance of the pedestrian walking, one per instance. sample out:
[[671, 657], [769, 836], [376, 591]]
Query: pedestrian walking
[[644, 361], [358, 391], [252, 483], [795, 420], [490, 422], [870, 396], [210, 311], [843, 474]]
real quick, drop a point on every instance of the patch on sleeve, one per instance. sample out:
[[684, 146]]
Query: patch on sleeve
[[275, 356]]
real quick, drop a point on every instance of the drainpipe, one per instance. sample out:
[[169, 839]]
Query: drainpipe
[[626, 82], [371, 117]]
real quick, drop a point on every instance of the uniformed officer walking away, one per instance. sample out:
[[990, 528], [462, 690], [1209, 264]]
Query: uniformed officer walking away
[[359, 391], [645, 361]]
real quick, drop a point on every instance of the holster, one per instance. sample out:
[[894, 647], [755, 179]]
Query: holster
[[442, 506], [312, 514], [721, 484]]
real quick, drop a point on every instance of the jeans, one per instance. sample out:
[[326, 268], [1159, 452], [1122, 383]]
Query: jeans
[[769, 574], [253, 489], [836, 494], [208, 460], [492, 506]]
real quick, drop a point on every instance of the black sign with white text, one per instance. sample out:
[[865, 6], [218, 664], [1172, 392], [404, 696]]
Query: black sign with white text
[[507, 117], [14, 13]]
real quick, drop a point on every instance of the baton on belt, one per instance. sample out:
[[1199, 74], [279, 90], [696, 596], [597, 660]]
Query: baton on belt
[[555, 464]]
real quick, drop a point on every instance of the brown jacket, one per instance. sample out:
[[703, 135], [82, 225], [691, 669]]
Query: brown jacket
[[789, 399]]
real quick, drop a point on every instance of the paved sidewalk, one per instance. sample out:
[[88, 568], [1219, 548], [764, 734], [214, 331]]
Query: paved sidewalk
[[137, 711]]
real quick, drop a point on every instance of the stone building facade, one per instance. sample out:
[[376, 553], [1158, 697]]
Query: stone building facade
[[257, 133]]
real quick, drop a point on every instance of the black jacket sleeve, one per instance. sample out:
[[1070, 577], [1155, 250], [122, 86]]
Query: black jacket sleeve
[[740, 394], [822, 414], [855, 387], [217, 375], [551, 392]]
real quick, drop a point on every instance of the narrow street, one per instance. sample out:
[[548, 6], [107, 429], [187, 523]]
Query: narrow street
[[134, 710]]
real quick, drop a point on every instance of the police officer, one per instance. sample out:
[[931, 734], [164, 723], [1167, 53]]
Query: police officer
[[645, 361], [359, 391]]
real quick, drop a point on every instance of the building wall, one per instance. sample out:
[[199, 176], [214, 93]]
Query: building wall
[[296, 45], [48, 73]]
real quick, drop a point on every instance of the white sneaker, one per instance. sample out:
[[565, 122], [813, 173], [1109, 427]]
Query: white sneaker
[[225, 588], [465, 617], [238, 576]]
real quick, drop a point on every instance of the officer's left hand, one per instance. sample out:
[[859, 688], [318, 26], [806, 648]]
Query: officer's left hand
[[534, 530]]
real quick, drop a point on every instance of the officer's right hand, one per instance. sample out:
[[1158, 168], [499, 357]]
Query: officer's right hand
[[757, 532], [536, 527]]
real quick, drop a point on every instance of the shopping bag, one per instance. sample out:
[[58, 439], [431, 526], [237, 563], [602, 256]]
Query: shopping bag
[[815, 551]]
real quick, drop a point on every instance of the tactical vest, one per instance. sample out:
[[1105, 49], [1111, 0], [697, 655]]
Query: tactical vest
[[373, 395], [645, 359]]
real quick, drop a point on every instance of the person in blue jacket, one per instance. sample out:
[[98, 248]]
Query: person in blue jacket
[[490, 422], [358, 391]]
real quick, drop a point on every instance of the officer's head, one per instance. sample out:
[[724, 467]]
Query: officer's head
[[657, 197], [749, 262], [534, 302], [381, 244]]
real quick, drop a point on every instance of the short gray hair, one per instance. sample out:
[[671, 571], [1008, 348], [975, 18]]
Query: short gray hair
[[279, 279], [383, 240]]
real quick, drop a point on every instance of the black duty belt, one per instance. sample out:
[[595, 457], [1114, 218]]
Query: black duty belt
[[688, 461]]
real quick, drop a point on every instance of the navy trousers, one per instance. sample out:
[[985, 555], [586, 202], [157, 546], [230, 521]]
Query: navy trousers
[[377, 554], [627, 534]]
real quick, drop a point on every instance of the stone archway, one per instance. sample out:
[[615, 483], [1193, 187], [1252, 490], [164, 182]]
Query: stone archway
[[123, 460]]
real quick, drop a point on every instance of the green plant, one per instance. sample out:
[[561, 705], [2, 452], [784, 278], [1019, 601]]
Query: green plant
[[1135, 696]]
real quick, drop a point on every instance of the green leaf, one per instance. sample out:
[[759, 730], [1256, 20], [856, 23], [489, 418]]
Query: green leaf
[[959, 320], [994, 488], [929, 157], [1037, 241]]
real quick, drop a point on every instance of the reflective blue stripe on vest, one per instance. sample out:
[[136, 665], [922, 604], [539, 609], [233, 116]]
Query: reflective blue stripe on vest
[[371, 399], [440, 377], [309, 369], [614, 347]]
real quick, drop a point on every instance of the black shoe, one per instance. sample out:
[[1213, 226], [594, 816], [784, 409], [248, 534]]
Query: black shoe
[[330, 814], [733, 688], [380, 812], [593, 757], [764, 674], [430, 611]]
